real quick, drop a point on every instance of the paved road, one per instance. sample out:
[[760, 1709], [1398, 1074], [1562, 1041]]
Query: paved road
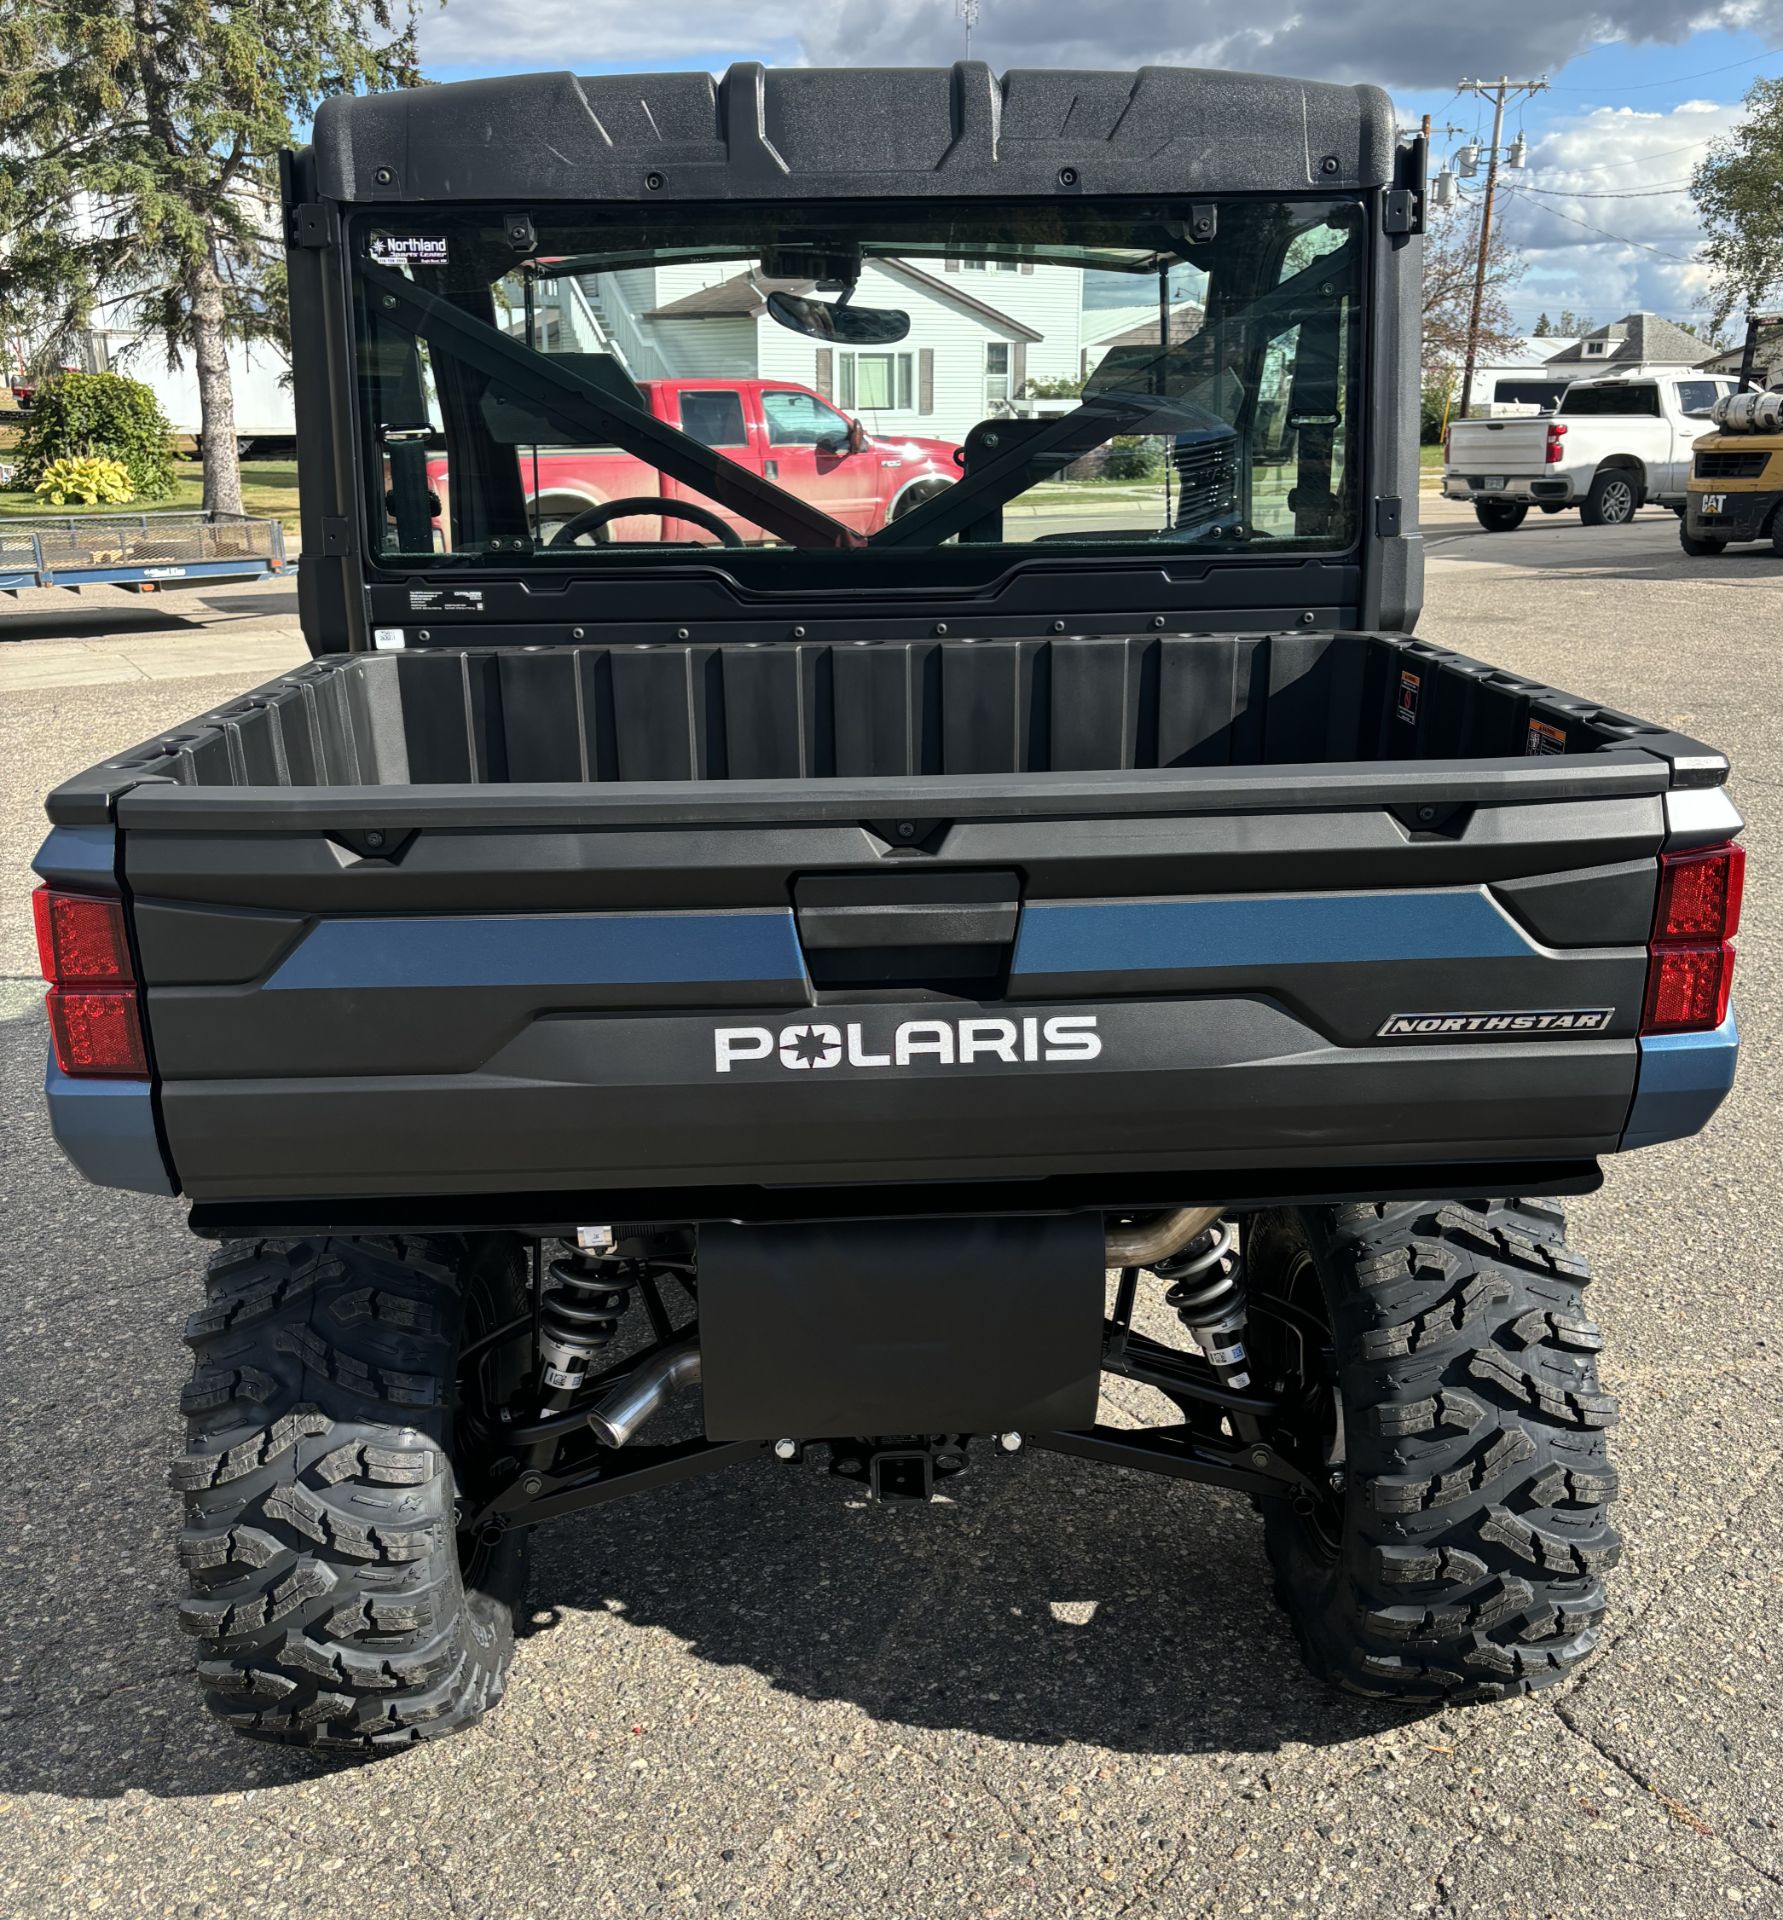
[[1066, 1693]]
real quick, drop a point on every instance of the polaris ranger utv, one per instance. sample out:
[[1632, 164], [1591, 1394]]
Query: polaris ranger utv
[[766, 974]]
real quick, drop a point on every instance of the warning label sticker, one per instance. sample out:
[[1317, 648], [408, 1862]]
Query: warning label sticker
[[1544, 738], [408, 249], [1411, 686], [446, 600]]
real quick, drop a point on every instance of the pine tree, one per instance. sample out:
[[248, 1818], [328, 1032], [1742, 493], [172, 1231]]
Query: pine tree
[[138, 174]]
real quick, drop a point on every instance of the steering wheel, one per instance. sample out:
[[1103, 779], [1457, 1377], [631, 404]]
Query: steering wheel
[[592, 519]]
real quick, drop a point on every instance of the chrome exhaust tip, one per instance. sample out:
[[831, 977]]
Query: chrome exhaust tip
[[639, 1394]]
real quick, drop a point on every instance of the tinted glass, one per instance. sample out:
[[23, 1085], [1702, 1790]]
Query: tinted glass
[[1622, 402], [1070, 374], [713, 417]]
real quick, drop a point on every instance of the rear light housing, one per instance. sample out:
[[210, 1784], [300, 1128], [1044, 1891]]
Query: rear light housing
[[1556, 433], [1691, 956], [95, 1019]]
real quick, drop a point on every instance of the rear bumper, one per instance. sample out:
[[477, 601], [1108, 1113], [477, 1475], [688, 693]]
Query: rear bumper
[[1529, 489], [592, 1102], [1741, 516]]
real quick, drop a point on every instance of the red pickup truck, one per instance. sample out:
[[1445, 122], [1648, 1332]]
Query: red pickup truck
[[783, 431]]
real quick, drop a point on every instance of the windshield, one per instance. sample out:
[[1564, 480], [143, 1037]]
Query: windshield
[[829, 388]]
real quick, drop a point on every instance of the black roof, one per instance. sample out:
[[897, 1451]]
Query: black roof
[[836, 133]]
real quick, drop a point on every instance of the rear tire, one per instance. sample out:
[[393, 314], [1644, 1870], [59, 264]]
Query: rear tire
[[1457, 1550], [1613, 500], [329, 1438], [1500, 516]]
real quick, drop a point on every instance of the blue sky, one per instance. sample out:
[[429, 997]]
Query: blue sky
[[1639, 87]]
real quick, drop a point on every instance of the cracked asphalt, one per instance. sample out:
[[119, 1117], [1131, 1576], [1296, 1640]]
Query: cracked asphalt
[[1066, 1692]]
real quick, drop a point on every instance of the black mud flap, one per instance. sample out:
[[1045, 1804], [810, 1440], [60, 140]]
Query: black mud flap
[[908, 1326]]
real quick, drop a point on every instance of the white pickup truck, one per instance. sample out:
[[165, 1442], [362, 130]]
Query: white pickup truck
[[1611, 446]]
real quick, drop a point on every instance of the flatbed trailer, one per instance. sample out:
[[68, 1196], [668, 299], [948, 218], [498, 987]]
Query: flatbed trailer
[[140, 552]]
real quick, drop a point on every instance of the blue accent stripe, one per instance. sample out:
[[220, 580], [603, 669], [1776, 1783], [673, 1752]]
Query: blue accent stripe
[[544, 950], [1683, 1078], [1305, 929], [107, 1129]]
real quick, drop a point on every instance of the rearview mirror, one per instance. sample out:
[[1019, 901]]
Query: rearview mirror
[[850, 326]]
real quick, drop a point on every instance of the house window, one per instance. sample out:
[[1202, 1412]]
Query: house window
[[996, 377], [877, 380], [1596, 349]]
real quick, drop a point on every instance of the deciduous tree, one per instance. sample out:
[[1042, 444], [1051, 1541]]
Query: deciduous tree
[[1451, 257], [1738, 190]]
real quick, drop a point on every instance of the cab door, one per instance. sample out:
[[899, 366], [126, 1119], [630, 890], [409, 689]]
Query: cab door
[[806, 451]]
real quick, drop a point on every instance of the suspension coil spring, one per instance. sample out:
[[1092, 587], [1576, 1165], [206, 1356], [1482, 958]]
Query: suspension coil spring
[[1208, 1292], [586, 1297]]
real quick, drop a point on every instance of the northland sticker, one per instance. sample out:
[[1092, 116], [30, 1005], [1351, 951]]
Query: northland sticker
[[1493, 1026], [808, 1046]]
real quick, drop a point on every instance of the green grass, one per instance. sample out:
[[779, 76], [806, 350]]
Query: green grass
[[268, 490], [1429, 457]]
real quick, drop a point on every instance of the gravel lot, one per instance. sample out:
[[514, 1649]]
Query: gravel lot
[[1066, 1692]]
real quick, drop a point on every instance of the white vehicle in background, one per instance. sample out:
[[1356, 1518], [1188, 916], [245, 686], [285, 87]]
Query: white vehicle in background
[[1609, 448]]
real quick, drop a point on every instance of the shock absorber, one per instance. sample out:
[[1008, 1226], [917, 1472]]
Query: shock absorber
[[585, 1299], [1208, 1292]]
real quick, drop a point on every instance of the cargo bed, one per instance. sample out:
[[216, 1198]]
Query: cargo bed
[[708, 923]]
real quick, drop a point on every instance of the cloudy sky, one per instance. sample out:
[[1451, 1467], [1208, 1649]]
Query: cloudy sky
[[1639, 87]]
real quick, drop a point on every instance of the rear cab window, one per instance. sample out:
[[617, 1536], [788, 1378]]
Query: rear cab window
[[1626, 400]]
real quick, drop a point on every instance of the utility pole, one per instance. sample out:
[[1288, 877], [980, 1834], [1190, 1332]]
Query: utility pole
[[1498, 91]]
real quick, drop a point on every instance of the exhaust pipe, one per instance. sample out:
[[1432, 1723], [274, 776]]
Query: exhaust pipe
[[638, 1396], [1146, 1242]]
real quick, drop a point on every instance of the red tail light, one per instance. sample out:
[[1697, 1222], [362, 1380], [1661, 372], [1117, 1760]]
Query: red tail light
[[1556, 433], [1445, 443], [1690, 958], [80, 937], [95, 1022], [98, 1032]]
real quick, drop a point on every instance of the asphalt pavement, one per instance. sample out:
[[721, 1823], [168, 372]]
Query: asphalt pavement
[[1067, 1691]]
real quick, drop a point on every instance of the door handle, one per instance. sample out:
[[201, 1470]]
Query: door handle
[[770, 469]]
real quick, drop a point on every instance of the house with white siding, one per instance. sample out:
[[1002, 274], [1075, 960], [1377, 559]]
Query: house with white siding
[[980, 333]]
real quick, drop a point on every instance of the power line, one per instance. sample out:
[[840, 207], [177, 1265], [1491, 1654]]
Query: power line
[[1682, 259], [1625, 193], [1683, 79], [1665, 153]]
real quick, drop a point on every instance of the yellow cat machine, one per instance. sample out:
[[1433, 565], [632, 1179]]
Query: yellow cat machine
[[1736, 476]]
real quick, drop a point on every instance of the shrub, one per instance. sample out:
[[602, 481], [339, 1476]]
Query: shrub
[[77, 415], [1133, 456], [95, 479]]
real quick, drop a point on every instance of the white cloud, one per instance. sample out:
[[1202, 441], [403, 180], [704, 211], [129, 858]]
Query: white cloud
[[585, 36], [1381, 40], [1601, 214]]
